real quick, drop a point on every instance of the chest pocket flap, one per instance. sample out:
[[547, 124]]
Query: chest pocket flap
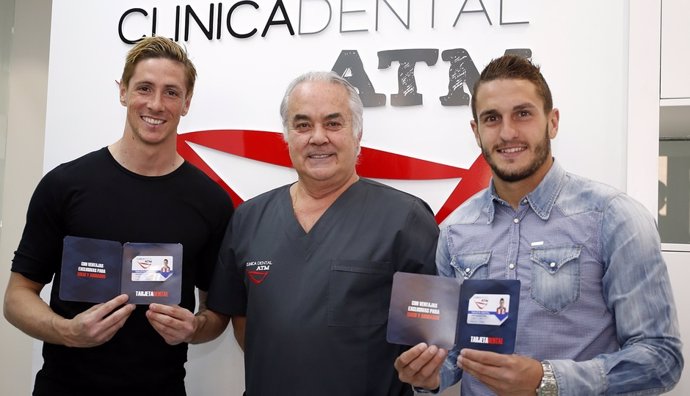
[[473, 265]]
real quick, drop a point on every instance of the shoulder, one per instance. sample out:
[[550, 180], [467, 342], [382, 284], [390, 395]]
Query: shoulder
[[67, 173], [86, 162], [393, 197], [580, 194], [262, 201]]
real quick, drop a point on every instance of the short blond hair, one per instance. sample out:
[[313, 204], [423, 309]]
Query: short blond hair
[[158, 47]]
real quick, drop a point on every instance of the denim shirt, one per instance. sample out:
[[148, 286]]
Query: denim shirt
[[595, 297]]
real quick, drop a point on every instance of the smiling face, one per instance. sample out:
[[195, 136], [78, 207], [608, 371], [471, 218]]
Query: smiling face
[[156, 97], [513, 130], [322, 145]]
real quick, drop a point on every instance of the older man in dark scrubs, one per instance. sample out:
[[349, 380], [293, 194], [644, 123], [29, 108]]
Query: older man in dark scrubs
[[307, 268]]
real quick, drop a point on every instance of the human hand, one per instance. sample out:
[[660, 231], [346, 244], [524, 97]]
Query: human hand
[[174, 323], [503, 374], [420, 366], [96, 325]]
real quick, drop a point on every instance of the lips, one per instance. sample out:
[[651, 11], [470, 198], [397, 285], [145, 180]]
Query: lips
[[319, 156], [152, 121], [512, 150]]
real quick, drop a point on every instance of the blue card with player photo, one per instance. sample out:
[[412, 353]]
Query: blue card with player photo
[[488, 314]]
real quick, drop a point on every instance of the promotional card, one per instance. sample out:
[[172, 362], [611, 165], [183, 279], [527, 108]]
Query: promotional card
[[477, 314], [424, 308], [90, 269], [96, 270]]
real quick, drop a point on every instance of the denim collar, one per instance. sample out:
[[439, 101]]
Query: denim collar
[[541, 199]]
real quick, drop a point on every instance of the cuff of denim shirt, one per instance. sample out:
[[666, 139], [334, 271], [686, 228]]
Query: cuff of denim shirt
[[579, 378]]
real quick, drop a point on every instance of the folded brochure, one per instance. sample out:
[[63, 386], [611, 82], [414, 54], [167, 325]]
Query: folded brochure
[[96, 270], [478, 314]]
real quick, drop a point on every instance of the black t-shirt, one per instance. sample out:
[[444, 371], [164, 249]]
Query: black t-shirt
[[317, 303], [95, 197]]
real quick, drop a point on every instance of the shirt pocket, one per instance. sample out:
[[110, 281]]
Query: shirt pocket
[[359, 292], [555, 276], [471, 265]]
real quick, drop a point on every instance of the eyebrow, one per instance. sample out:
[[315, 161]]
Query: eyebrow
[[522, 106], [165, 86], [302, 117], [333, 116]]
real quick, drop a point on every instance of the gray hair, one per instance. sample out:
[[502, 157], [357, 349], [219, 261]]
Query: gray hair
[[356, 106]]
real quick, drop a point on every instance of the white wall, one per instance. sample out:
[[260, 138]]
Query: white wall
[[24, 160]]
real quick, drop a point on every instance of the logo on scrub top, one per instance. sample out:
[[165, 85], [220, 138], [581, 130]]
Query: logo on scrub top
[[257, 271]]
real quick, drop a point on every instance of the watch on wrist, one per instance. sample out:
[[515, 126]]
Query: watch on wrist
[[548, 386]]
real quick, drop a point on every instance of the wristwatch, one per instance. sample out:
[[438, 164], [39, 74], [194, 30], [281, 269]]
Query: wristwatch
[[548, 386]]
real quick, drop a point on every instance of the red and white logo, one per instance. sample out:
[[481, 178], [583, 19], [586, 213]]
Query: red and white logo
[[480, 302], [270, 148], [257, 271]]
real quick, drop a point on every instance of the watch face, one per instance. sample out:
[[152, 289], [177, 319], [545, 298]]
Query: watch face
[[548, 388]]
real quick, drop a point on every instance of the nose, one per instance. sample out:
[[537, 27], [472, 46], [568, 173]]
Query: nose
[[509, 130], [155, 102], [319, 135]]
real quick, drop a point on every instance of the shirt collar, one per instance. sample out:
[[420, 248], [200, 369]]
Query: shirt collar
[[541, 199]]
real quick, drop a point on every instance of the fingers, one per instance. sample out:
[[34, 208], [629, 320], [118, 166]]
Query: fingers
[[174, 323], [112, 315], [420, 365], [96, 325], [503, 374], [483, 357], [480, 364]]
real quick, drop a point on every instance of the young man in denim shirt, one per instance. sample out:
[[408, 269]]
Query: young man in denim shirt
[[596, 310]]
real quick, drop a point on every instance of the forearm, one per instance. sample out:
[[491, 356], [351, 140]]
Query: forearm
[[648, 368], [209, 326], [24, 308], [238, 326]]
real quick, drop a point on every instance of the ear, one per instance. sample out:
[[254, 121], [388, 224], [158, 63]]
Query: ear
[[554, 117], [123, 94], [359, 141], [475, 130], [187, 103]]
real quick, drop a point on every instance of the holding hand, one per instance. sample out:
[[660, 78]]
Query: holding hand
[[96, 325], [420, 366], [174, 323], [503, 374]]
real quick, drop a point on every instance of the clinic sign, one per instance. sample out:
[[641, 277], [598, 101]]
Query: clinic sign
[[360, 39], [219, 21]]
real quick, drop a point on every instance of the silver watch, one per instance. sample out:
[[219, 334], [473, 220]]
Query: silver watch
[[548, 386]]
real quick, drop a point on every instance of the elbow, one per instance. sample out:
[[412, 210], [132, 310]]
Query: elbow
[[677, 364]]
